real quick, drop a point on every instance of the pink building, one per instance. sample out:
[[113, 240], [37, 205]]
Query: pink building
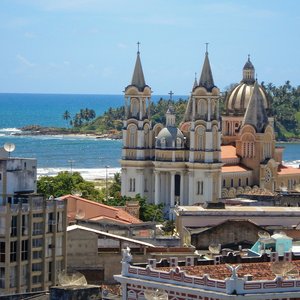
[[255, 281]]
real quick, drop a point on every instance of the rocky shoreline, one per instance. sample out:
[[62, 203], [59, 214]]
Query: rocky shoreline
[[34, 130]]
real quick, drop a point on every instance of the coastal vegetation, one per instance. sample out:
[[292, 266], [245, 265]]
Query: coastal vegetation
[[284, 103]]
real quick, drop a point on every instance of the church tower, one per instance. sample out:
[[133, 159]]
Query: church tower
[[204, 166], [137, 134], [256, 142]]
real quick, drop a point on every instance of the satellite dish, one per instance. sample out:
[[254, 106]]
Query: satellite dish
[[76, 278], [283, 268], [155, 295], [76, 193], [9, 147], [214, 249], [263, 235], [80, 214]]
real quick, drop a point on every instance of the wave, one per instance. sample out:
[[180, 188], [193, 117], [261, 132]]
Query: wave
[[292, 163], [10, 130], [87, 173]]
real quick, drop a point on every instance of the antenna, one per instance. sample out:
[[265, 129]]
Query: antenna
[[9, 147]]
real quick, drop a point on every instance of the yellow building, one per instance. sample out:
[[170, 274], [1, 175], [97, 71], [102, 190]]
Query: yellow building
[[252, 162], [188, 165]]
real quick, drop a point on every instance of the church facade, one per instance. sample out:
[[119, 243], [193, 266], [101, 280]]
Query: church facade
[[208, 156]]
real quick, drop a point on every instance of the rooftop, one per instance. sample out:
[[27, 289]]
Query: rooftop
[[259, 271]]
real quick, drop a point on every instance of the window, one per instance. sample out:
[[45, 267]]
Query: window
[[24, 250], [37, 254], [132, 185], [2, 278], [13, 277], [201, 138], [199, 187], [247, 181], [231, 182], [48, 246], [2, 252], [37, 228], [25, 225], [50, 271], [0, 176], [24, 276], [13, 251], [13, 228], [146, 185], [240, 182], [59, 222], [37, 243], [36, 279], [132, 136], [36, 267]]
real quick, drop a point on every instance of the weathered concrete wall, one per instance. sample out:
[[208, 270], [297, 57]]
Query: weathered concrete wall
[[230, 232]]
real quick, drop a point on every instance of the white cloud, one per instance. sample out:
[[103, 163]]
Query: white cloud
[[24, 61]]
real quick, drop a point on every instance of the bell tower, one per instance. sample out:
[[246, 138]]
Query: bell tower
[[137, 132], [205, 138]]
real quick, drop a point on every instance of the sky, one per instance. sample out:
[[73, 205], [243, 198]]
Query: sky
[[90, 46]]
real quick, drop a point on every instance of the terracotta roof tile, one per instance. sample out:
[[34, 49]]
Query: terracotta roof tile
[[228, 151], [97, 211], [285, 170], [234, 168], [259, 271]]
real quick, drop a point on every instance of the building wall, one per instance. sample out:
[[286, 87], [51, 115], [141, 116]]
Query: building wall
[[231, 232]]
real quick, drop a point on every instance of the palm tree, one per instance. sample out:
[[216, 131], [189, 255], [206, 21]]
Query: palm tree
[[66, 116]]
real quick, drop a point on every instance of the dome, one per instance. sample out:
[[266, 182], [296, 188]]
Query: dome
[[238, 98], [170, 137], [248, 65]]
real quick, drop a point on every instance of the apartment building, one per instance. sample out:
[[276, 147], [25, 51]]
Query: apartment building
[[32, 242]]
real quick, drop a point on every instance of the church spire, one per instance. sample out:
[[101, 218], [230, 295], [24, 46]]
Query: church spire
[[206, 79], [195, 82], [138, 79], [256, 114]]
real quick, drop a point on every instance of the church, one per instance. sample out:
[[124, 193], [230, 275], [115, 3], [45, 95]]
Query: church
[[209, 156]]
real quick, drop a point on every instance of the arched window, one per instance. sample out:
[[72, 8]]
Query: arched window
[[146, 137], [132, 136], [202, 108], [134, 107], [215, 138], [200, 138]]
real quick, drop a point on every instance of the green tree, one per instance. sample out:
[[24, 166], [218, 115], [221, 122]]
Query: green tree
[[67, 183], [67, 117]]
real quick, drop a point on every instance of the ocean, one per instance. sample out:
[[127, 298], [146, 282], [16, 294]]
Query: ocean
[[93, 158]]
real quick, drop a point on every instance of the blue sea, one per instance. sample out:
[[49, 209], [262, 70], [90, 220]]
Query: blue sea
[[92, 157], [87, 155]]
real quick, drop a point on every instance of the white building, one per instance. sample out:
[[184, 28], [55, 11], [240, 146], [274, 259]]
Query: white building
[[17, 176], [164, 163]]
